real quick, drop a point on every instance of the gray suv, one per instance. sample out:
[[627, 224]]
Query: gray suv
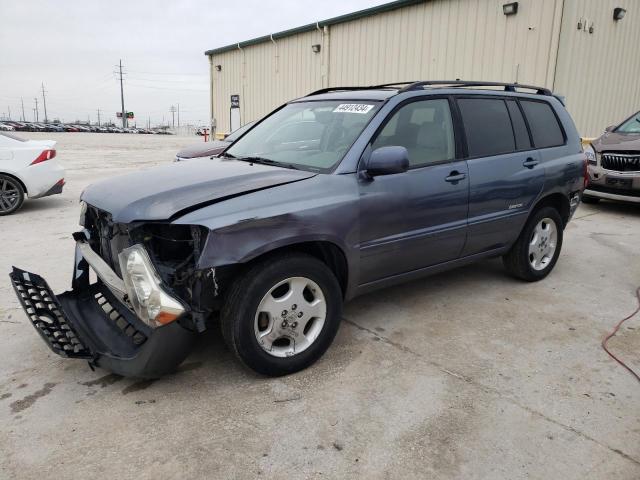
[[365, 187]]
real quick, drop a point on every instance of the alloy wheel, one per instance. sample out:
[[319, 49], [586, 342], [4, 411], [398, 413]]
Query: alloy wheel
[[542, 245], [290, 317]]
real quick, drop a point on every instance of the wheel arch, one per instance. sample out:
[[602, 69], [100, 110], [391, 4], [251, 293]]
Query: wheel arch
[[16, 178], [326, 251], [558, 201]]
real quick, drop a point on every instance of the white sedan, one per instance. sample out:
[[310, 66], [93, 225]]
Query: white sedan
[[28, 168]]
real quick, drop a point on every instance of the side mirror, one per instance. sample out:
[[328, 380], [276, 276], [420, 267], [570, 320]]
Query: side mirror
[[610, 128], [387, 161]]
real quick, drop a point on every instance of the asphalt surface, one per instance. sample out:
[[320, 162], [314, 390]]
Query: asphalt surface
[[468, 374]]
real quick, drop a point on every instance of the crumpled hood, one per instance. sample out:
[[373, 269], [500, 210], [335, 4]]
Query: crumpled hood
[[203, 149], [165, 192], [612, 142]]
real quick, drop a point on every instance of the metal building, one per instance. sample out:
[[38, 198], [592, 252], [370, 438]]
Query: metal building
[[586, 50]]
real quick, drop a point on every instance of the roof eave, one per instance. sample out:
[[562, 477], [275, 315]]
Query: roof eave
[[367, 12]]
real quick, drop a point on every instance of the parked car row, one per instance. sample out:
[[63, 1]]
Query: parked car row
[[66, 127]]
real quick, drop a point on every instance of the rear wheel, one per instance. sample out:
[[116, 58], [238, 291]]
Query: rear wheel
[[536, 251], [11, 195], [282, 314]]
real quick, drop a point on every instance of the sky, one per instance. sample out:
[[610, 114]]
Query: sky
[[73, 48]]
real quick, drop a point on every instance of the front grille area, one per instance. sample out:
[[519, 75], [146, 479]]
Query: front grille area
[[44, 311], [621, 161]]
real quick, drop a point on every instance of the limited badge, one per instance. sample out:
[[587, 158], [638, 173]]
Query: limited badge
[[353, 108]]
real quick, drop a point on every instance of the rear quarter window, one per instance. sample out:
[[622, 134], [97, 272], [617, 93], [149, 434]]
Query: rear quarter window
[[543, 123]]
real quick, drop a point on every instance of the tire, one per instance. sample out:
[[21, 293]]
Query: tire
[[11, 195], [591, 200], [262, 300], [536, 263]]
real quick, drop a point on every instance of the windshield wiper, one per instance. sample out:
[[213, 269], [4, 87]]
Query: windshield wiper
[[268, 161], [227, 155]]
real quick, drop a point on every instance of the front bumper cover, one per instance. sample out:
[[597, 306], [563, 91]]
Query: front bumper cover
[[90, 322]]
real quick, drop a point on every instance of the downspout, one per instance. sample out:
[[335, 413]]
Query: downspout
[[276, 47], [324, 51], [211, 101], [244, 76]]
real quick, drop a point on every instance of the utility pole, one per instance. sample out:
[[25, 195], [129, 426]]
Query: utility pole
[[178, 115], [44, 101], [23, 117], [124, 112], [36, 99], [9, 112], [173, 116], [99, 117]]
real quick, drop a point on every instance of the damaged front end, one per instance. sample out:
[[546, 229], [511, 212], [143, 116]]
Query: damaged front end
[[141, 315]]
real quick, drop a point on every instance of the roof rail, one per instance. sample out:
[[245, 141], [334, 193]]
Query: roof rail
[[508, 87], [370, 87]]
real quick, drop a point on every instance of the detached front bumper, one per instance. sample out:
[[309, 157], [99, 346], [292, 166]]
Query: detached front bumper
[[91, 322]]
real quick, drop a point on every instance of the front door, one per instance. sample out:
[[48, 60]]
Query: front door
[[418, 218]]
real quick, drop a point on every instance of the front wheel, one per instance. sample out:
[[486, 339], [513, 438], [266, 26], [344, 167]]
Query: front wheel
[[536, 251], [282, 314]]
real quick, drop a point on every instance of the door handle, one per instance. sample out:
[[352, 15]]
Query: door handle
[[455, 177], [530, 162]]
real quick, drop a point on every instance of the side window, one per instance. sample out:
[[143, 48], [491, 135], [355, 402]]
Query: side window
[[519, 127], [487, 126], [545, 129], [424, 128]]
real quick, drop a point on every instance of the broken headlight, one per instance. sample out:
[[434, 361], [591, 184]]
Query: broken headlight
[[151, 303]]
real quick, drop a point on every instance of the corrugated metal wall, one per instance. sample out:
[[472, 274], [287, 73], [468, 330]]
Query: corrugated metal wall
[[265, 76], [599, 72], [448, 39]]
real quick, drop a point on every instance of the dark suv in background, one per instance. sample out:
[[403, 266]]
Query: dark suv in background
[[400, 181]]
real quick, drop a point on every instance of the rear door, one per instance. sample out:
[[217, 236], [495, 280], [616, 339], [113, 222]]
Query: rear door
[[505, 171]]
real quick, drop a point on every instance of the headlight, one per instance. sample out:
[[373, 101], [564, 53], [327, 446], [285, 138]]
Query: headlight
[[83, 212], [151, 303], [590, 152]]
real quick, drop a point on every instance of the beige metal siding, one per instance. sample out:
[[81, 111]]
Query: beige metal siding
[[265, 76], [446, 39], [438, 39], [599, 72]]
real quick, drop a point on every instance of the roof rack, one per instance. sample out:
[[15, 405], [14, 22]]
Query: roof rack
[[370, 87], [412, 86], [508, 87]]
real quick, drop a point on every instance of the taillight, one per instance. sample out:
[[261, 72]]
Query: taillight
[[44, 156], [585, 171]]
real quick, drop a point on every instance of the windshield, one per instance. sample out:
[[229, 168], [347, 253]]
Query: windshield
[[630, 126], [233, 136], [307, 135]]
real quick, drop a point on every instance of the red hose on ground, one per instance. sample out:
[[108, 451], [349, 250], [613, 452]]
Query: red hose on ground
[[615, 330]]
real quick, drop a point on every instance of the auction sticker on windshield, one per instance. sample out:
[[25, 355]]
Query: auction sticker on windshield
[[353, 108]]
